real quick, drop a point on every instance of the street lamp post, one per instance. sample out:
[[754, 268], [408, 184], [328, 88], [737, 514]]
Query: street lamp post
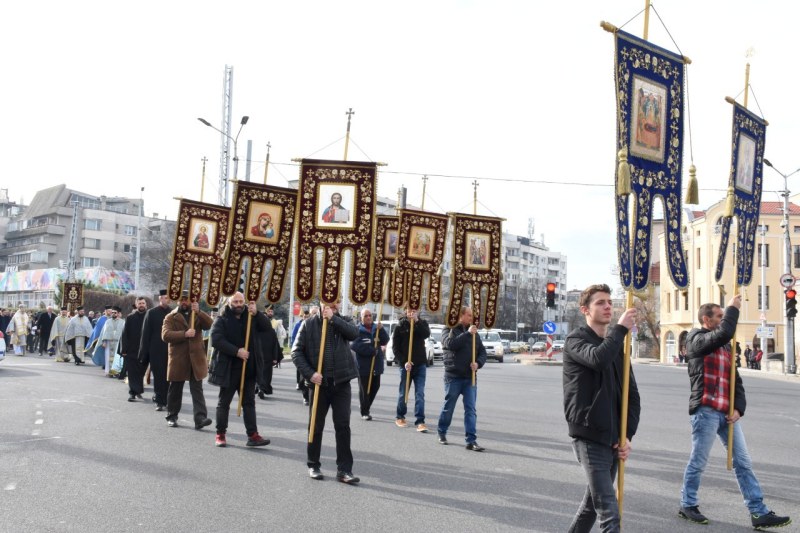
[[235, 151], [138, 243], [788, 337]]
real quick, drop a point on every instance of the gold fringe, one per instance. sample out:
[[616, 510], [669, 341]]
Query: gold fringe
[[730, 203], [623, 173], [692, 196]]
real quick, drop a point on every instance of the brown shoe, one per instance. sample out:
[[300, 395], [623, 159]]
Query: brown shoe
[[422, 428], [401, 422]]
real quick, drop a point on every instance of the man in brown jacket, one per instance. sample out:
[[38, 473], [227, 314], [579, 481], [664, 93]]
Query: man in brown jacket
[[187, 360]]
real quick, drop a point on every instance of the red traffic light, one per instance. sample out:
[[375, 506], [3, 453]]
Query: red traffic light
[[551, 287], [790, 293]]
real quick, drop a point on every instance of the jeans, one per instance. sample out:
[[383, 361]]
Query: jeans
[[175, 398], [706, 423], [599, 462], [337, 398], [418, 373], [248, 405], [453, 388]]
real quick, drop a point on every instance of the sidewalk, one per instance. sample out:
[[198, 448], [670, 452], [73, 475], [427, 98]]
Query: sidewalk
[[744, 372]]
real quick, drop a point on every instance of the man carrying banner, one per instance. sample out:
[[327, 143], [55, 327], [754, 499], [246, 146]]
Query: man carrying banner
[[417, 368], [338, 369], [458, 344], [709, 365], [78, 330], [592, 370], [369, 359], [153, 350]]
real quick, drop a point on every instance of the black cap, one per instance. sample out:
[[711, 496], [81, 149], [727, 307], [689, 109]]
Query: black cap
[[117, 309], [63, 307], [162, 292], [107, 307], [79, 308]]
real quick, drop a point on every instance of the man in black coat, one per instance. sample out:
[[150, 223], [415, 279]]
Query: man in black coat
[[592, 377], [44, 325], [228, 337], [416, 368], [338, 369], [153, 350], [270, 355], [129, 345]]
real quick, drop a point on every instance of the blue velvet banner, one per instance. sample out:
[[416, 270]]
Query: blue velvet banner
[[747, 165], [650, 95]]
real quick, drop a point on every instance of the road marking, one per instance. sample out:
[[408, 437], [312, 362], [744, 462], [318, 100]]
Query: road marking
[[27, 440], [10, 486], [39, 413], [36, 432], [39, 421]]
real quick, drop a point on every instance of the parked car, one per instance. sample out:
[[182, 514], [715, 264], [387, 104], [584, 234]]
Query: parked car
[[436, 335], [429, 352], [519, 346], [539, 346], [493, 344], [506, 345], [558, 346]]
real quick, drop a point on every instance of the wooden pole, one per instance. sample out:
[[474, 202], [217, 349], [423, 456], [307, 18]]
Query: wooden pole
[[316, 387], [746, 83], [473, 358], [203, 179], [349, 114], [266, 164], [424, 186], [623, 423], [378, 333], [408, 370], [646, 23], [732, 376], [244, 363]]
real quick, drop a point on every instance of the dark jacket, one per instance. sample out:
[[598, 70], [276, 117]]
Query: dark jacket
[[305, 350], [270, 354], [132, 334], [44, 324], [400, 342], [457, 351], [364, 347], [152, 349], [592, 378], [228, 334], [700, 343]]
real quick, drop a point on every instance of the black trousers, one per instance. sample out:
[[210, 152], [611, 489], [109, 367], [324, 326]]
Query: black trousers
[[364, 399], [599, 462], [175, 399], [337, 398], [160, 385], [135, 375], [71, 344], [248, 404]]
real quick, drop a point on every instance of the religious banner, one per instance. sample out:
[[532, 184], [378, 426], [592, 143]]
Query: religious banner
[[385, 252], [72, 297], [650, 102], [336, 213], [744, 190], [200, 240], [262, 225], [476, 262], [420, 250]]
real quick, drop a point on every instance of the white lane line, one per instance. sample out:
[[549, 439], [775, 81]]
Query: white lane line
[[36, 432], [39, 421], [27, 440], [10, 486], [39, 413]]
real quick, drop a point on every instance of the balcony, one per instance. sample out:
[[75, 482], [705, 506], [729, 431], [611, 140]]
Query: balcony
[[44, 229]]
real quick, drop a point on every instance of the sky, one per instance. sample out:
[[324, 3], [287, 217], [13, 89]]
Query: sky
[[518, 95]]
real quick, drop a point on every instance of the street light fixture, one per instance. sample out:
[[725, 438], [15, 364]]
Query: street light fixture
[[235, 140], [791, 367]]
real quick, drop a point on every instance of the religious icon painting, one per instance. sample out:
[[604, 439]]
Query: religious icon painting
[[201, 235], [745, 163], [262, 226], [338, 212], [262, 221], [648, 129], [390, 245], [478, 246], [72, 295], [421, 241], [386, 243]]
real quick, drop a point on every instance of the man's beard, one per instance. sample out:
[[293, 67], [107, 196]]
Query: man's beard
[[237, 311]]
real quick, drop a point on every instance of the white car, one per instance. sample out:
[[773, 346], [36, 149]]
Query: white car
[[493, 344], [429, 352], [558, 346]]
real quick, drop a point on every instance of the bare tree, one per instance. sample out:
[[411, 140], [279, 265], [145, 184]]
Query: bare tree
[[646, 304]]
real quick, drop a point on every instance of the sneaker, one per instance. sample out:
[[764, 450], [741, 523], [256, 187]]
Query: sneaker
[[219, 441], [366, 417], [422, 428], [442, 439], [475, 447], [766, 521], [401, 422], [171, 422], [693, 514], [347, 477], [315, 473], [256, 440]]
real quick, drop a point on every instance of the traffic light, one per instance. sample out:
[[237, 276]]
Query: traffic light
[[551, 295], [791, 303]]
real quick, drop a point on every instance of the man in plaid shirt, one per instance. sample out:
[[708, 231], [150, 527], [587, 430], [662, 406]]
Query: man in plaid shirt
[[708, 353]]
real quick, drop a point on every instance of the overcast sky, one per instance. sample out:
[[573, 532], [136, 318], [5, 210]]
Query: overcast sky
[[106, 99]]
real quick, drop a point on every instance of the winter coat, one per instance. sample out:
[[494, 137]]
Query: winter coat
[[592, 379], [305, 350], [187, 356], [400, 342], [227, 336], [457, 351], [153, 350], [365, 350], [44, 324], [131, 334]]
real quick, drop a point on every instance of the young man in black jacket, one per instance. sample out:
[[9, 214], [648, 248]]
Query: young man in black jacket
[[593, 367], [709, 365], [417, 368]]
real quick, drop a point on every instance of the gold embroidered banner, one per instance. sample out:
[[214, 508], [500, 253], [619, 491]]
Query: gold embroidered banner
[[262, 226], [336, 212], [73, 295], [385, 252], [476, 262], [200, 240], [420, 250]]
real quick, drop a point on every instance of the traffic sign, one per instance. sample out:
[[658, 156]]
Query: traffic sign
[[549, 327], [765, 332], [787, 280]]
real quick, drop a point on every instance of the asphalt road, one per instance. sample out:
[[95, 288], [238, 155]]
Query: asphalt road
[[76, 456]]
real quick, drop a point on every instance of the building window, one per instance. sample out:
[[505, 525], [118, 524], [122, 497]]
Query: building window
[[697, 258], [668, 307], [765, 260], [766, 302], [90, 262], [686, 300], [91, 223], [722, 296], [699, 298], [126, 248], [91, 243], [796, 256], [677, 300], [130, 230]]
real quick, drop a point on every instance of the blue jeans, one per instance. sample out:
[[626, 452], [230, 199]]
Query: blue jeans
[[453, 388], [706, 423], [599, 462], [418, 373]]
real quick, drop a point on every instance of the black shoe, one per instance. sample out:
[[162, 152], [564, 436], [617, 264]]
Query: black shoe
[[305, 402], [79, 362], [693, 514], [154, 399], [315, 473], [366, 417], [256, 440], [347, 477], [442, 439], [766, 521], [171, 422], [473, 446], [202, 424], [131, 398], [261, 395], [159, 407], [139, 397]]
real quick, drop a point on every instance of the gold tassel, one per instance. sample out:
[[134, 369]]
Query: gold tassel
[[623, 173], [730, 202], [692, 196]]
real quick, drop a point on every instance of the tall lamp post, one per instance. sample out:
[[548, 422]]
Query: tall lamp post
[[138, 242], [791, 367], [235, 150]]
